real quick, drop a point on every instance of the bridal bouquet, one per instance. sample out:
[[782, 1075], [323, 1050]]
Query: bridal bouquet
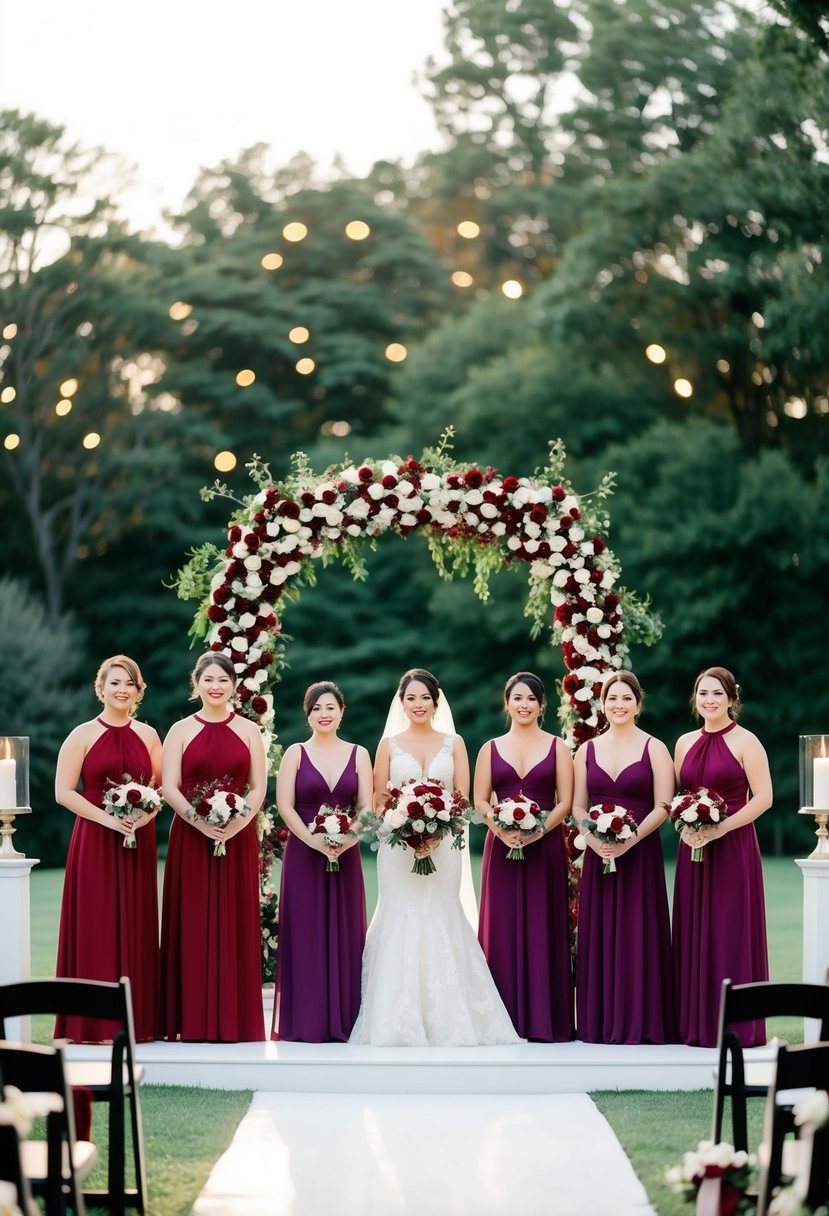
[[419, 811], [612, 824], [218, 807], [126, 799], [333, 823], [519, 814], [697, 809]]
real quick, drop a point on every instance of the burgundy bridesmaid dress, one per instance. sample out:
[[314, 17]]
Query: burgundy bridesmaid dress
[[624, 992], [211, 971], [322, 923], [719, 922], [523, 927], [109, 911]]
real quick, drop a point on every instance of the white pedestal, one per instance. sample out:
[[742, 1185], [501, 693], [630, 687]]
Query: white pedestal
[[16, 955], [815, 931]]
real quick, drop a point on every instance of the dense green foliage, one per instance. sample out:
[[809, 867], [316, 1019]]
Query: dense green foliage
[[652, 173]]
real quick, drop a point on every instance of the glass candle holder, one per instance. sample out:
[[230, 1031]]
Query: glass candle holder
[[814, 787], [14, 788]]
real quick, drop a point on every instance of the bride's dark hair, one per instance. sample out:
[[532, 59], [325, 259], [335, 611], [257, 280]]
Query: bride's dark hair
[[422, 676]]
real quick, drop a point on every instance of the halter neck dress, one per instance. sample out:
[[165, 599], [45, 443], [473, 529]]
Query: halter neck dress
[[109, 909], [719, 918], [210, 937]]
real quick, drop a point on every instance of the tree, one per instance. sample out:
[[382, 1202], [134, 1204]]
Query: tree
[[41, 696]]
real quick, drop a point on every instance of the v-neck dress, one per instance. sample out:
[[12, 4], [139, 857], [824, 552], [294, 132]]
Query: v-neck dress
[[322, 922], [523, 928], [719, 923], [624, 991]]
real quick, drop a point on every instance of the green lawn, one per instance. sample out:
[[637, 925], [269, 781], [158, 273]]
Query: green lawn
[[187, 1129]]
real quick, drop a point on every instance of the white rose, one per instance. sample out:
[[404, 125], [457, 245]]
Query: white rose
[[532, 529], [247, 620], [604, 631], [505, 816], [254, 562], [531, 546], [576, 535], [388, 469], [444, 816], [513, 543], [499, 528], [376, 491], [240, 549], [358, 509], [291, 525], [473, 498], [581, 576], [404, 489], [689, 816], [595, 616], [430, 482], [557, 542], [354, 530], [333, 517], [240, 644], [277, 576], [418, 825], [570, 503], [408, 521]]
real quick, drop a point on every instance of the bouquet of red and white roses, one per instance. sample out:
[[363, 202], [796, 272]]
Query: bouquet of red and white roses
[[126, 799], [518, 814], [611, 824], [697, 809], [718, 1167], [421, 811], [218, 807], [333, 823]]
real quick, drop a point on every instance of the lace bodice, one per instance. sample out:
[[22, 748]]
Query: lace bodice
[[403, 766]]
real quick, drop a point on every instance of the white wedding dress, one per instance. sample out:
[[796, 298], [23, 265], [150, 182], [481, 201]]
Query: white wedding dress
[[425, 979]]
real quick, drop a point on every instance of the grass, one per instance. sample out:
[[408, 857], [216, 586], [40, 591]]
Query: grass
[[186, 1130]]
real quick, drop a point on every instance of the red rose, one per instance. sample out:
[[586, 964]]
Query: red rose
[[231, 801], [329, 497], [235, 534], [307, 499], [576, 513], [253, 542], [454, 504], [391, 500], [538, 514], [616, 824], [245, 695], [473, 479], [259, 705], [593, 815], [216, 613], [267, 658], [221, 595], [415, 811], [510, 485], [437, 804], [365, 474], [454, 481], [704, 812], [423, 516], [565, 523], [389, 482], [598, 545], [288, 509], [559, 494], [518, 814], [133, 797]]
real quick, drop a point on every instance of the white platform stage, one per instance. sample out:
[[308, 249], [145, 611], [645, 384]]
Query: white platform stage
[[338, 1068]]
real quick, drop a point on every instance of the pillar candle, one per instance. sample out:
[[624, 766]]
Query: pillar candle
[[8, 784], [820, 783]]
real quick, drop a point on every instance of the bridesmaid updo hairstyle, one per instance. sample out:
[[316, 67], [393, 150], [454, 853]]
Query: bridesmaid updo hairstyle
[[421, 676], [213, 658], [535, 686], [732, 690], [314, 691], [630, 680], [130, 667]]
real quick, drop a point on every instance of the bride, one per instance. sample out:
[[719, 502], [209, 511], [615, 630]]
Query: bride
[[425, 980]]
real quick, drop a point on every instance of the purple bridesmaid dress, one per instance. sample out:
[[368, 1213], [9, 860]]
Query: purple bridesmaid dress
[[523, 926], [623, 970], [719, 905], [322, 924]]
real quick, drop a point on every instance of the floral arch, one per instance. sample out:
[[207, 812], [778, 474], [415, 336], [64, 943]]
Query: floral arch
[[475, 520]]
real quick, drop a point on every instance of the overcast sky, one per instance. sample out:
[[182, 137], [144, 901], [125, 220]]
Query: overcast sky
[[172, 85]]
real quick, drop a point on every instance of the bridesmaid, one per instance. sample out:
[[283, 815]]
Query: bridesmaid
[[719, 921], [624, 991], [322, 916], [523, 927], [109, 913], [210, 935]]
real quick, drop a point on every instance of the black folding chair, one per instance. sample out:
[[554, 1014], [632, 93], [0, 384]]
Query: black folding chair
[[114, 1081], [11, 1165], [57, 1166], [804, 1067], [735, 1078]]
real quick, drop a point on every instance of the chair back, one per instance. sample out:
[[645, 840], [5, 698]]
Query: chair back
[[804, 1066], [749, 1003], [77, 998], [35, 1069]]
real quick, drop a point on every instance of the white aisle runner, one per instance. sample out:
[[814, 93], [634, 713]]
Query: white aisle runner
[[300, 1154]]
